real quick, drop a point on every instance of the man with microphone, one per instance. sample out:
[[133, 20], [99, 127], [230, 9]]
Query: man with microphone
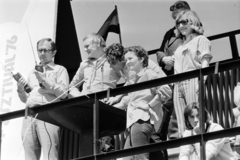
[[95, 72], [48, 86]]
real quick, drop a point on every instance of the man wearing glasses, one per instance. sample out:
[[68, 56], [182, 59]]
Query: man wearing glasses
[[166, 61], [46, 87]]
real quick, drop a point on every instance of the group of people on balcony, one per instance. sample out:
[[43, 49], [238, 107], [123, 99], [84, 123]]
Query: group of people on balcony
[[150, 112]]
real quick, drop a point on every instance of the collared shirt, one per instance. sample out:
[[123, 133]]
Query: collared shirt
[[216, 149], [145, 96], [58, 77], [130, 76], [153, 66], [94, 79], [189, 56]]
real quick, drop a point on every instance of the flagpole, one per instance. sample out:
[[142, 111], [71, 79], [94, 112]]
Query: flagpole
[[120, 37]]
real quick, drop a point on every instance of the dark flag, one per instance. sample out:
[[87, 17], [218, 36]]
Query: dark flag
[[65, 21], [110, 25]]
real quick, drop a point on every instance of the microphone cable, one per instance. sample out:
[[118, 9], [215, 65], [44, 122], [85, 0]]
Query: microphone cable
[[49, 139], [79, 83]]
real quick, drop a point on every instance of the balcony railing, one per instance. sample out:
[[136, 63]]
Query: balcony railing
[[232, 38], [217, 95]]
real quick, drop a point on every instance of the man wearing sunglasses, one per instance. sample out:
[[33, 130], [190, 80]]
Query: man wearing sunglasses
[[166, 61]]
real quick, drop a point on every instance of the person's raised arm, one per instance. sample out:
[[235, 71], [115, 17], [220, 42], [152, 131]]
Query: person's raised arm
[[57, 87]]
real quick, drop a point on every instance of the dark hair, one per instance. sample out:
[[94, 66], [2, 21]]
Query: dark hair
[[114, 53], [188, 112], [185, 4], [140, 53], [53, 45]]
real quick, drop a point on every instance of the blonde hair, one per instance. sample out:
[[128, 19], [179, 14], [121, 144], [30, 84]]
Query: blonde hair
[[193, 18], [96, 38]]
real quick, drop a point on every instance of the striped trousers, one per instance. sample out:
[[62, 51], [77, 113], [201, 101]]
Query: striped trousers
[[185, 92]]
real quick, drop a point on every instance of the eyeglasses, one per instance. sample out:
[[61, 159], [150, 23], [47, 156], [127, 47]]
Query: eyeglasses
[[183, 22], [176, 6], [44, 50]]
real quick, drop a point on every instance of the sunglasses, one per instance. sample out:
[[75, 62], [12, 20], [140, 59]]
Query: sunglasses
[[183, 22], [176, 6]]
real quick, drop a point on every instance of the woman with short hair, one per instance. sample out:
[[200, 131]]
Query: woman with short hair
[[140, 104]]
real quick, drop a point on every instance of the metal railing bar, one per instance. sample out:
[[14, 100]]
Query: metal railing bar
[[201, 113], [222, 35], [96, 144], [46, 107], [233, 43], [171, 79], [164, 145], [214, 37], [153, 51], [122, 90]]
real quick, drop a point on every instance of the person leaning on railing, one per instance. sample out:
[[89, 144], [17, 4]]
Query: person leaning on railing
[[94, 73], [115, 55], [217, 149], [139, 104], [194, 53]]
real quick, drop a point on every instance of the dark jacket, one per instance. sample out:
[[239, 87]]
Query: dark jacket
[[169, 45]]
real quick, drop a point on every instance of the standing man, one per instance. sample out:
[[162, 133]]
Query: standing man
[[95, 72], [47, 87], [165, 57]]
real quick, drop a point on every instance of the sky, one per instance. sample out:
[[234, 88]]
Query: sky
[[144, 22]]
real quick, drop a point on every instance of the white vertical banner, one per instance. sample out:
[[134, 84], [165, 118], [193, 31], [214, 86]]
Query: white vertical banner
[[16, 55]]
